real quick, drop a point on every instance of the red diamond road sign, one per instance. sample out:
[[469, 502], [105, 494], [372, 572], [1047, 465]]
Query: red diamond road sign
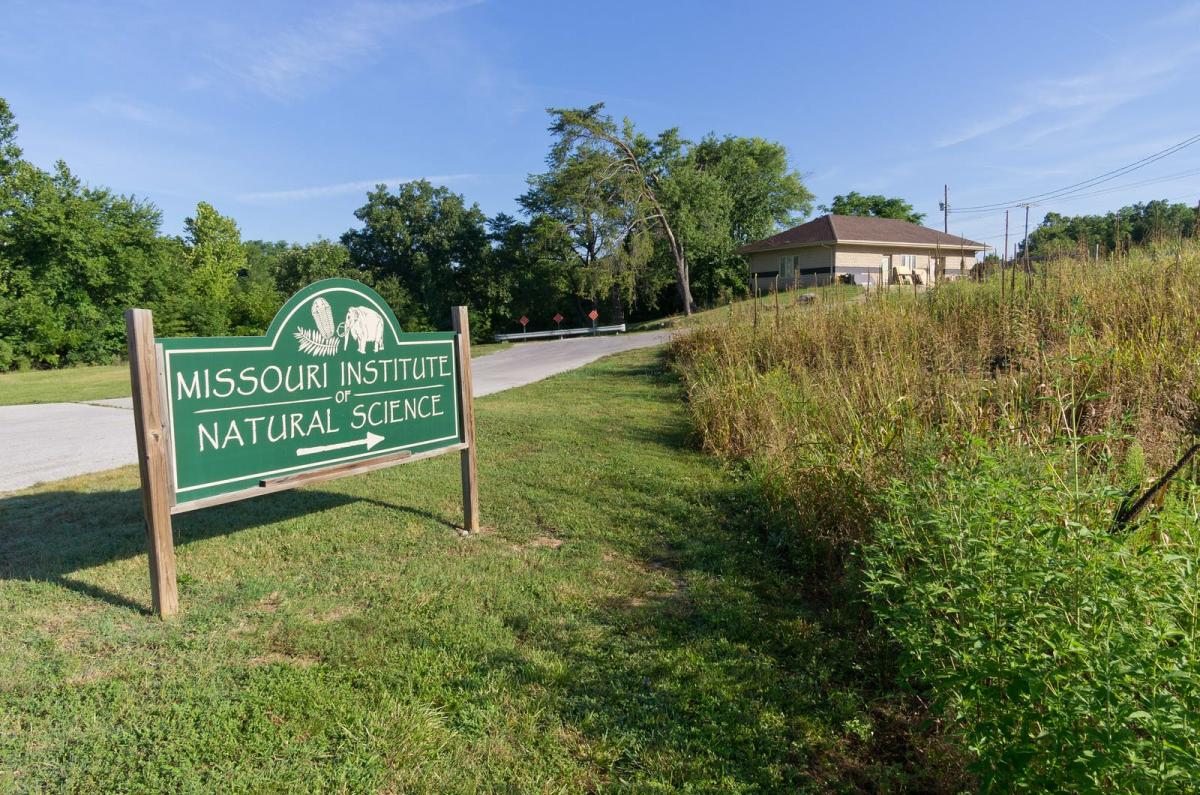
[[593, 314], [524, 321], [558, 318]]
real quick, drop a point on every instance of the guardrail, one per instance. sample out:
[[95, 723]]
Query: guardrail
[[566, 332]]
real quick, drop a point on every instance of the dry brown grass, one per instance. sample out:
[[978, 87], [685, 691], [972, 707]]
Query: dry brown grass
[[832, 399]]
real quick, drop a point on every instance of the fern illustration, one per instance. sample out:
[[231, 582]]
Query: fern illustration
[[315, 343]]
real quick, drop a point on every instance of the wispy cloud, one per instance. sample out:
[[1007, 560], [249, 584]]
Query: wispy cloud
[[341, 188], [288, 61], [985, 126], [140, 113], [1144, 67]]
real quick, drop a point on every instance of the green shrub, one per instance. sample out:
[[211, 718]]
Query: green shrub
[[1064, 655], [1060, 655]]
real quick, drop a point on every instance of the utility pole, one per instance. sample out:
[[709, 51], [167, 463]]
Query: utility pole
[[1025, 252], [946, 209], [1012, 266], [1004, 259], [1117, 239]]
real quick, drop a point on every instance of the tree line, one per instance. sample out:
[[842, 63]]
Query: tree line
[[631, 224], [1139, 224]]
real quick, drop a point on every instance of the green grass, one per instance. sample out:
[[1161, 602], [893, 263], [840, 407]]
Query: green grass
[[82, 384], [962, 452], [72, 384], [617, 626], [744, 308], [488, 348]]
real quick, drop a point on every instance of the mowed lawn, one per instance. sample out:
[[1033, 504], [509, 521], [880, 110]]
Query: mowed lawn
[[616, 626], [69, 385], [81, 384]]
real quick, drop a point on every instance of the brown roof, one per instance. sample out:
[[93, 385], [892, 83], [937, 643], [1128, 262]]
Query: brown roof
[[857, 228]]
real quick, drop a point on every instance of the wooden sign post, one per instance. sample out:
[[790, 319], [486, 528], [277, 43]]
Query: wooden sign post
[[223, 419], [470, 481], [152, 459]]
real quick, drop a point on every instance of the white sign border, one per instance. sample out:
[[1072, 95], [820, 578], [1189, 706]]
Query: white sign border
[[175, 490]]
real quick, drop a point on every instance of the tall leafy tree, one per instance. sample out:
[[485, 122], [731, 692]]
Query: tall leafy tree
[[299, 265], [879, 206], [72, 259], [631, 202], [214, 257], [734, 190], [426, 239], [10, 153], [256, 295], [532, 271], [634, 167], [766, 194], [606, 240]]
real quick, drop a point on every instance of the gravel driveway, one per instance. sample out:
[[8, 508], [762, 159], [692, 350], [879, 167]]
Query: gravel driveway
[[51, 441]]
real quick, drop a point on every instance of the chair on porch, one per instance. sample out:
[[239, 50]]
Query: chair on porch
[[904, 274]]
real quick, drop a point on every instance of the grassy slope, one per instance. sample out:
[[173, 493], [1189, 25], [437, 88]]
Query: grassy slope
[[744, 308], [617, 625], [81, 384], [968, 448]]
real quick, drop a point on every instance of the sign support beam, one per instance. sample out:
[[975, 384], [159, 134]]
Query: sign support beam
[[220, 419], [470, 478], [152, 460]]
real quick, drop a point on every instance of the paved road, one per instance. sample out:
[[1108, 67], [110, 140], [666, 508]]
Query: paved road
[[52, 441]]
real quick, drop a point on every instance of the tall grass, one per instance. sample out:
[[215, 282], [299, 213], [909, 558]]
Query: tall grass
[[839, 396], [866, 426]]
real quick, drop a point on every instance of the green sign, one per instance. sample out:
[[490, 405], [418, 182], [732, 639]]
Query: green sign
[[333, 382]]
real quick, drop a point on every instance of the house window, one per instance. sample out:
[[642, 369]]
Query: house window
[[787, 266], [908, 261]]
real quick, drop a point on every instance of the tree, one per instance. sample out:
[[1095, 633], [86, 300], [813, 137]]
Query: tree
[[767, 195], [855, 203], [747, 191], [634, 169], [10, 153], [256, 296], [214, 257], [1136, 224], [637, 208], [427, 240], [532, 270], [298, 265], [72, 259], [602, 233]]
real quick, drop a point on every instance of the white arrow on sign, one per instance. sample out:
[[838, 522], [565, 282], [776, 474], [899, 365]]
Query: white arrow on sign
[[370, 441]]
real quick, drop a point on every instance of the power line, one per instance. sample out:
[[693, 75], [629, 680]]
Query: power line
[[1102, 191], [1087, 183], [998, 235], [1142, 183]]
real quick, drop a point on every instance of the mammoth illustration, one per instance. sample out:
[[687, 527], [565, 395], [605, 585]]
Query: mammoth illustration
[[365, 325]]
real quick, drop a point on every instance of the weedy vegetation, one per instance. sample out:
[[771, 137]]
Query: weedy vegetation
[[957, 458]]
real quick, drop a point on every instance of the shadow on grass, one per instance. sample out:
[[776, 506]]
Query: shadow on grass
[[48, 536], [730, 672]]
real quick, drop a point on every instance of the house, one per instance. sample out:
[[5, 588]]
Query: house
[[859, 250]]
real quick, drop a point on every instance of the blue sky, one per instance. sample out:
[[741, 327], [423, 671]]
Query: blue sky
[[283, 114]]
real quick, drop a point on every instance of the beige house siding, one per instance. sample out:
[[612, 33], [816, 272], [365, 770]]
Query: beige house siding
[[810, 258], [860, 261], [956, 262], [863, 261]]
